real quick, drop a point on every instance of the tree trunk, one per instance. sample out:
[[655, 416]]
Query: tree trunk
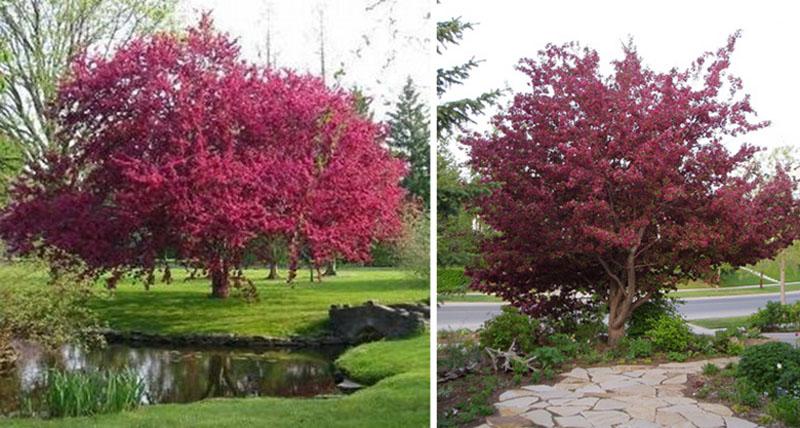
[[273, 271], [330, 269], [220, 283], [783, 279], [615, 334]]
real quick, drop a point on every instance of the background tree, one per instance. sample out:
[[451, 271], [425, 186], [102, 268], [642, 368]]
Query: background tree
[[619, 186], [455, 232], [409, 139], [39, 38], [234, 153], [452, 115]]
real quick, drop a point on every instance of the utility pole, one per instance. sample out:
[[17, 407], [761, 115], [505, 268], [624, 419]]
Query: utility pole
[[322, 42], [783, 277]]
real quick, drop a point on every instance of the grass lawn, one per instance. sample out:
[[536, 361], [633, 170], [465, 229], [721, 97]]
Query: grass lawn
[[399, 398], [733, 292], [721, 322], [283, 310]]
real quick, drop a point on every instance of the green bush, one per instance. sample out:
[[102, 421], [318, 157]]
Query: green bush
[[451, 281], [548, 357], [509, 327], [728, 341], [774, 315], [787, 410], [566, 344], [70, 394], [639, 348], [764, 365], [646, 316], [670, 334], [789, 382], [746, 394]]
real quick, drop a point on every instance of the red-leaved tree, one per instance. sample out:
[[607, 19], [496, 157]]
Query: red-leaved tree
[[183, 147], [619, 186]]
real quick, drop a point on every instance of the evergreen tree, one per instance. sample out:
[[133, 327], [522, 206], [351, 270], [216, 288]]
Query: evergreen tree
[[453, 115], [409, 139]]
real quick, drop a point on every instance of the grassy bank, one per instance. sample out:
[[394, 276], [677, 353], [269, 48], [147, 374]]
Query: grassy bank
[[398, 398], [283, 310], [715, 323]]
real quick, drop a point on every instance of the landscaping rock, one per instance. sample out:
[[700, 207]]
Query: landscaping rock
[[371, 322]]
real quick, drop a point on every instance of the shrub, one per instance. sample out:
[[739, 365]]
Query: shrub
[[728, 341], [763, 365], [670, 334], [458, 354], [548, 357], [745, 394], [772, 316], [789, 382], [565, 344], [451, 280], [639, 348], [787, 410], [645, 317], [71, 394], [509, 327]]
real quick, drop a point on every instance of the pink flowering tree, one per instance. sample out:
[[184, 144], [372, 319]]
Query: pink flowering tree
[[181, 146], [619, 186]]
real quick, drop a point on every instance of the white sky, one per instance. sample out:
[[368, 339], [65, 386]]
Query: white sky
[[396, 49], [667, 34]]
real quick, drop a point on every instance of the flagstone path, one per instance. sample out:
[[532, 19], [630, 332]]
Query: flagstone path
[[618, 396]]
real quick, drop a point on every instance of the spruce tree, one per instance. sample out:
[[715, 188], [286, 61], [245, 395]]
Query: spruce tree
[[409, 139]]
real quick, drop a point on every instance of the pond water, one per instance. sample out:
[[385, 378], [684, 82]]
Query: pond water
[[181, 375]]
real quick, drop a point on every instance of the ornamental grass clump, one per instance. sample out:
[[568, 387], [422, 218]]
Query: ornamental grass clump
[[70, 394]]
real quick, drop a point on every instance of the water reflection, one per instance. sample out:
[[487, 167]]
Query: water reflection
[[181, 375]]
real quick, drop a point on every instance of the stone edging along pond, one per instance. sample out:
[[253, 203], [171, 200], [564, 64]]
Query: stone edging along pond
[[220, 340], [348, 326]]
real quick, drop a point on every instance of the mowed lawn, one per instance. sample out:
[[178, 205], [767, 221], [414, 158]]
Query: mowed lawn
[[282, 309]]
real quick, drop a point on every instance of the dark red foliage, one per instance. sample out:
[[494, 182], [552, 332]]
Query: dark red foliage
[[620, 186], [181, 146]]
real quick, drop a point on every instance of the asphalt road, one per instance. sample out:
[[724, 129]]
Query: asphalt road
[[453, 315]]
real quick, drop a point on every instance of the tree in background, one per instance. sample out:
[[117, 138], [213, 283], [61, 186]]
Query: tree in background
[[409, 139], [39, 38], [234, 153], [786, 158], [619, 186], [455, 232]]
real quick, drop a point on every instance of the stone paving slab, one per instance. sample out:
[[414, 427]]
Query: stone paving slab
[[619, 396]]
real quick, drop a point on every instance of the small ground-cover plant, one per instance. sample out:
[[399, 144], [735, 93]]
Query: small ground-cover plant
[[786, 409]]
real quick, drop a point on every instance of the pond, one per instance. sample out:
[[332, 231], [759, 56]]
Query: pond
[[181, 375]]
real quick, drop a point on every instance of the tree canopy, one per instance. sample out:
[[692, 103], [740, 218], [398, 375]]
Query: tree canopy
[[181, 146], [620, 186]]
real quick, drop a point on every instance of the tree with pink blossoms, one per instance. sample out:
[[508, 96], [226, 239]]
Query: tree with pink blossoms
[[619, 186], [182, 147]]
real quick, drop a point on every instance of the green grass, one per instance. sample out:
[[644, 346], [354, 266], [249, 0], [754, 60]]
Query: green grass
[[283, 310], [715, 292], [714, 323], [398, 400], [372, 362]]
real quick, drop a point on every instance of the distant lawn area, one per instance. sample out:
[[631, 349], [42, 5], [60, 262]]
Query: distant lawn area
[[283, 309], [399, 398], [714, 323]]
